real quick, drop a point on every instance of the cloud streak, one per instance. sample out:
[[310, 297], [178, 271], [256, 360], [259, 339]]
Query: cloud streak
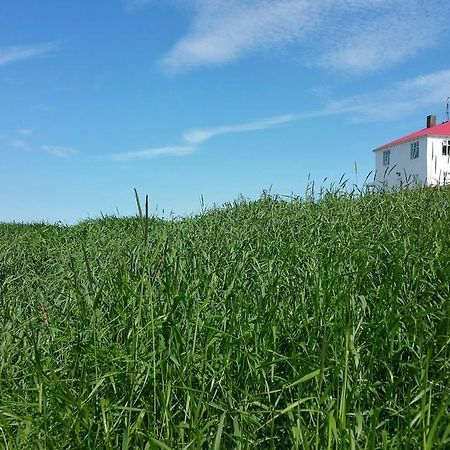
[[25, 131], [193, 138], [353, 36], [151, 153], [9, 55], [198, 136], [132, 6], [400, 100], [18, 144], [58, 151]]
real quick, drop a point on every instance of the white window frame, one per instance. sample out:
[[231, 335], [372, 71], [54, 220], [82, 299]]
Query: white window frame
[[446, 148], [386, 157], [414, 150]]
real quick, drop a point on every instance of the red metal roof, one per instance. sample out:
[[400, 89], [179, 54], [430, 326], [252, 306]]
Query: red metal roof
[[442, 129]]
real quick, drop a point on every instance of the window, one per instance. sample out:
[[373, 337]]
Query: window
[[386, 157], [414, 150], [446, 148]]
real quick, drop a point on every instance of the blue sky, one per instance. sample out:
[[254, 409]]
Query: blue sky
[[215, 98]]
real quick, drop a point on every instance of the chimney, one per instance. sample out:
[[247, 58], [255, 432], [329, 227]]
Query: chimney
[[431, 121]]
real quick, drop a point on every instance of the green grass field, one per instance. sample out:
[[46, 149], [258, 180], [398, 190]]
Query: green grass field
[[304, 324]]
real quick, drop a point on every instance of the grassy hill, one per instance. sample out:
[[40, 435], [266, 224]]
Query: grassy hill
[[267, 324]]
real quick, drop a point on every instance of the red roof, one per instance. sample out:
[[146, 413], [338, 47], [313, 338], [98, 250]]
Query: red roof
[[442, 129]]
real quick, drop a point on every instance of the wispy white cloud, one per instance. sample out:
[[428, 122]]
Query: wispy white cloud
[[399, 100], [224, 30], [350, 35], [25, 131], [198, 136], [193, 138], [9, 55], [150, 153], [389, 37], [132, 6], [18, 144], [59, 151]]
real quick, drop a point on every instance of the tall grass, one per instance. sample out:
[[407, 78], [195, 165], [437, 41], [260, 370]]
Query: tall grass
[[306, 324]]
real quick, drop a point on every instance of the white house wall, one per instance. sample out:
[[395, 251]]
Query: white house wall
[[439, 165], [401, 167]]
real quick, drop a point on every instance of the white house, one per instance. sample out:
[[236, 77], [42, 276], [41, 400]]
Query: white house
[[422, 157]]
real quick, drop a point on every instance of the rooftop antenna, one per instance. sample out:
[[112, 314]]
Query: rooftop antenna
[[447, 112]]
